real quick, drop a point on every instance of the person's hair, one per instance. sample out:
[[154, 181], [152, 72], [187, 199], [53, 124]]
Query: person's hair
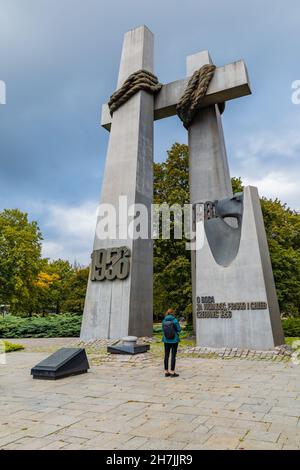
[[170, 311]]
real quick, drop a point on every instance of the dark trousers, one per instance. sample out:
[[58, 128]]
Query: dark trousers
[[170, 347]]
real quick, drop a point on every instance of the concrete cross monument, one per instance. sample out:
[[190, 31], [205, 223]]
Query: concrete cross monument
[[226, 311], [119, 302]]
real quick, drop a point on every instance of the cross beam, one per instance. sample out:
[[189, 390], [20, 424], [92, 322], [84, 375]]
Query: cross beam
[[229, 82]]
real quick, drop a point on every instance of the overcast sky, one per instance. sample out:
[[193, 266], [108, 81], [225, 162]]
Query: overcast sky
[[59, 60]]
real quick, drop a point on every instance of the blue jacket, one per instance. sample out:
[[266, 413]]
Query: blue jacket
[[177, 326]]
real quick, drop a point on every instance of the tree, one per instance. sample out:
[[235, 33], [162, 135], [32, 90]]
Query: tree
[[74, 302], [30, 284], [44, 284], [52, 285], [60, 289], [283, 233], [237, 185], [20, 251], [172, 273]]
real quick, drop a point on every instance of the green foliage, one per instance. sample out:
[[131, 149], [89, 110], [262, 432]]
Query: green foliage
[[291, 340], [53, 285], [291, 326], [237, 185], [157, 328], [74, 301], [20, 251], [283, 232], [175, 280], [171, 178], [40, 327], [172, 273], [10, 347], [29, 284], [158, 332]]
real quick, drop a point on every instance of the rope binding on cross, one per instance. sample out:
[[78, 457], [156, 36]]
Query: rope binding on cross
[[140, 80], [196, 89]]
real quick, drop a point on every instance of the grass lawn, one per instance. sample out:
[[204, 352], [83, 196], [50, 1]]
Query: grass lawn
[[290, 340], [157, 346]]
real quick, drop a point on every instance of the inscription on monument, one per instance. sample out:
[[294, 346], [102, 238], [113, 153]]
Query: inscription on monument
[[110, 263], [208, 308]]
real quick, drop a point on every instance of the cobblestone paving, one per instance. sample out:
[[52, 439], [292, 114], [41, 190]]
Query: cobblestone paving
[[129, 404]]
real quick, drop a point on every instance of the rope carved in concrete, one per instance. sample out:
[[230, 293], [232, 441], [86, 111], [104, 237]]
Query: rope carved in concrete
[[196, 89], [140, 80]]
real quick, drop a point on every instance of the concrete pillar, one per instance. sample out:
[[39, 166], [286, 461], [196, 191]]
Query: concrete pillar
[[209, 176], [244, 294], [118, 308]]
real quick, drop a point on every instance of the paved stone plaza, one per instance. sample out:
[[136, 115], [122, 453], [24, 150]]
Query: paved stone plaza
[[126, 403]]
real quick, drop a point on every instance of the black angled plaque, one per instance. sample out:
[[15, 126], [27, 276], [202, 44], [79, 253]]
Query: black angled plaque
[[128, 349], [62, 363]]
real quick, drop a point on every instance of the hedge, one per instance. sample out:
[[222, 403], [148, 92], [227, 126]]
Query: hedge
[[68, 325], [53, 326], [291, 326]]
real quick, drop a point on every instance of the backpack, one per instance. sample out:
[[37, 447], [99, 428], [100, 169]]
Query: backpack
[[169, 329]]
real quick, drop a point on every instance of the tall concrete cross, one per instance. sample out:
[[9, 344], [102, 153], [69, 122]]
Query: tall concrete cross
[[117, 307], [209, 172]]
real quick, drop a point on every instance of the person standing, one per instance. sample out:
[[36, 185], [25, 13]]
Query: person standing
[[171, 327]]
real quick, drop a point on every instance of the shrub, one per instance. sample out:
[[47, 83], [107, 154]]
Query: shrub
[[53, 326], [9, 347], [157, 329], [291, 326]]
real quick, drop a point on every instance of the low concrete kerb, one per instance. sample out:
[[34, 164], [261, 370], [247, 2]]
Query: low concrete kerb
[[279, 353]]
